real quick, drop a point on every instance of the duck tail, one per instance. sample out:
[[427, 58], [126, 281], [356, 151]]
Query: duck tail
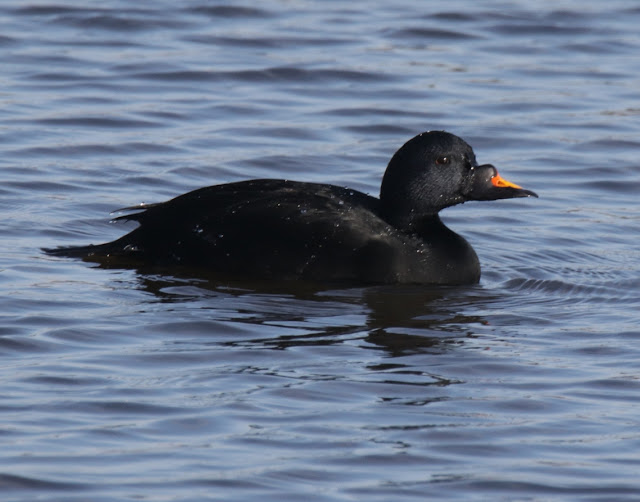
[[82, 251]]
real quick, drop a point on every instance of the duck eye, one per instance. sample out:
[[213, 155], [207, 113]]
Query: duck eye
[[443, 160]]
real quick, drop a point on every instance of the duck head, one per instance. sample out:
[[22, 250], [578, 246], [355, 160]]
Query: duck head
[[435, 170]]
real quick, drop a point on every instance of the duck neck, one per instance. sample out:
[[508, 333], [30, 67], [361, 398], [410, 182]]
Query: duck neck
[[426, 225], [422, 225]]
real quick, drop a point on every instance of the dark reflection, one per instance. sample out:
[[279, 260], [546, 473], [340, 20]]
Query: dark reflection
[[397, 319], [408, 319]]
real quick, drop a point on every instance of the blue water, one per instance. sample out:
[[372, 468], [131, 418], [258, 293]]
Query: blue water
[[122, 385]]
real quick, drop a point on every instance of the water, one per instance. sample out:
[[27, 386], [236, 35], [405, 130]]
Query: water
[[118, 385]]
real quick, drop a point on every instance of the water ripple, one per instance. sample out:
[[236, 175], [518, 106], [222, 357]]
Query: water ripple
[[123, 384]]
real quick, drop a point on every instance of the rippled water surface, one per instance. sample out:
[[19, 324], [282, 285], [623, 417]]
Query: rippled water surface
[[123, 385]]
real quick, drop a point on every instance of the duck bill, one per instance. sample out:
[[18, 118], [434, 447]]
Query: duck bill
[[489, 185], [500, 182]]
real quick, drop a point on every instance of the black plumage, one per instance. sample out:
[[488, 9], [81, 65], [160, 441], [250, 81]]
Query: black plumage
[[288, 230]]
